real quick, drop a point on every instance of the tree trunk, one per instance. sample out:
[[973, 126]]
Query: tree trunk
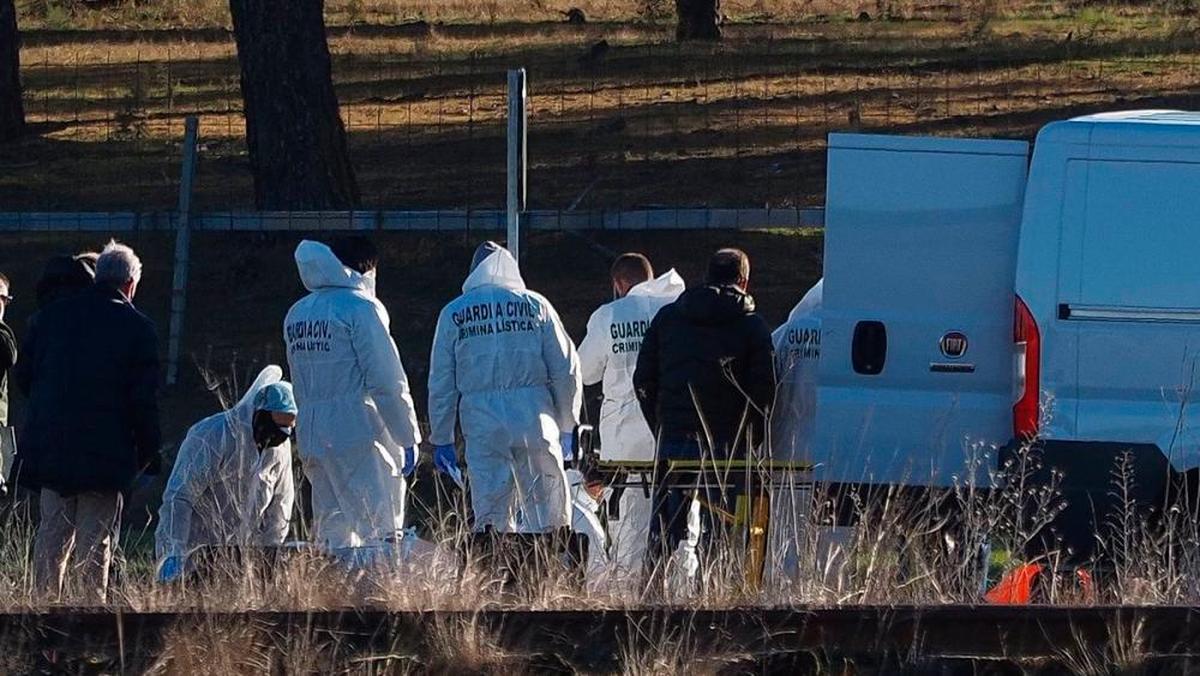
[[12, 111], [294, 131], [698, 20]]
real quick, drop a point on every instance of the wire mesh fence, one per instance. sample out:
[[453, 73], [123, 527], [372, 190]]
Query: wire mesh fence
[[614, 124]]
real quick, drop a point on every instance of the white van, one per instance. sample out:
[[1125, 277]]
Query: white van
[[974, 299]]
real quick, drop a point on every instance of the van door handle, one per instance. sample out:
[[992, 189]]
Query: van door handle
[[868, 351]]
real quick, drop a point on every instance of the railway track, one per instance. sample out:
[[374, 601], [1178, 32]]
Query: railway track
[[884, 637]]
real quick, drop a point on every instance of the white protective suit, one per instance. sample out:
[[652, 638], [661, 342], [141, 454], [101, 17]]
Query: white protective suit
[[797, 353], [503, 364], [585, 520], [793, 420], [222, 490], [608, 355], [356, 411]]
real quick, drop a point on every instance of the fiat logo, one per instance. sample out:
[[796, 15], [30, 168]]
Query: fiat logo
[[954, 344]]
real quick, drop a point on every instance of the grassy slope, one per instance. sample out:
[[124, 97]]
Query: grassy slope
[[57, 14], [650, 122]]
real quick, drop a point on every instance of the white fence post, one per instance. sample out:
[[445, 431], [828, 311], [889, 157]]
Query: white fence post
[[516, 158], [183, 241]]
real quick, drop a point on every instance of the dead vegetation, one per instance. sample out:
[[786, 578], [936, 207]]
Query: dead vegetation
[[891, 548], [902, 552], [895, 547]]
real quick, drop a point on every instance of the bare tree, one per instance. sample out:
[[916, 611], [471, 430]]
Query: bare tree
[[698, 19], [12, 111], [294, 130]]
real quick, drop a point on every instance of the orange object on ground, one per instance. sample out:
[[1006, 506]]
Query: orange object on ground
[[1016, 587], [1086, 585]]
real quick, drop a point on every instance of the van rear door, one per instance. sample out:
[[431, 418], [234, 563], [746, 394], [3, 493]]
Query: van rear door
[[916, 373]]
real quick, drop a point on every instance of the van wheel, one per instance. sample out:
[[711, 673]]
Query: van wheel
[[1089, 492]]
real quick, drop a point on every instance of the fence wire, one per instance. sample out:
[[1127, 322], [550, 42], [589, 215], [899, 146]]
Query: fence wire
[[614, 125]]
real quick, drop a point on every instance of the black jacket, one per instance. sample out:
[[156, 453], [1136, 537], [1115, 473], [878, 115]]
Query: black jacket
[[8, 357], [89, 368], [63, 276], [707, 349]]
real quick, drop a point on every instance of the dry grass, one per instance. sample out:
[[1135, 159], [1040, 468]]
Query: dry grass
[[902, 547], [902, 551]]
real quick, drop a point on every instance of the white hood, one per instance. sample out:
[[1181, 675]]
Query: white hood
[[320, 269], [810, 303], [498, 269], [668, 283], [243, 410]]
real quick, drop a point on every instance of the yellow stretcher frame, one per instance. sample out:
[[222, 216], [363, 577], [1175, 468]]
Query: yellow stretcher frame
[[715, 465], [753, 506]]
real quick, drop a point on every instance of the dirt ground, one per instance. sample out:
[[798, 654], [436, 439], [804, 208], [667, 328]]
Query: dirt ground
[[621, 116]]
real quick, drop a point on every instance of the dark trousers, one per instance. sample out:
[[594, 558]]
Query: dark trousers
[[672, 498]]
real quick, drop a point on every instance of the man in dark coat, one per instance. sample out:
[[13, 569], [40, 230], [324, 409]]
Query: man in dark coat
[[65, 276], [705, 381], [8, 353], [8, 359], [89, 369]]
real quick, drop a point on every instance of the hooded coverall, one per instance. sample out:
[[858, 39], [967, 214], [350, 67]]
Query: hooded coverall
[[608, 354], [503, 365], [797, 355], [222, 490], [356, 410]]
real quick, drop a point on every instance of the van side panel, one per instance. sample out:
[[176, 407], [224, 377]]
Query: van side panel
[[1137, 315], [915, 380], [1107, 265]]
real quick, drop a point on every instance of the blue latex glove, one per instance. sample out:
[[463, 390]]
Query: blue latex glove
[[171, 570], [410, 460], [567, 440], [445, 459]]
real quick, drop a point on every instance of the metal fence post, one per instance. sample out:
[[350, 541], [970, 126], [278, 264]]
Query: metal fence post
[[183, 241], [516, 158]]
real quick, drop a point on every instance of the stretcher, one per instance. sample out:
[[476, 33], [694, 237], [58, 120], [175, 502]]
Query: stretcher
[[750, 481]]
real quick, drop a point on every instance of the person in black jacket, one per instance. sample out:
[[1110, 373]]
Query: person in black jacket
[[89, 370], [8, 356], [705, 380], [8, 359], [65, 276]]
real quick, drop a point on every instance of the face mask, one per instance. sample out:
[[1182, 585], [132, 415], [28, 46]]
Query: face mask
[[267, 432]]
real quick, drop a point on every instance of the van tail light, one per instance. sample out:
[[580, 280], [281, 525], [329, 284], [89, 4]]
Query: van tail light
[[1027, 344]]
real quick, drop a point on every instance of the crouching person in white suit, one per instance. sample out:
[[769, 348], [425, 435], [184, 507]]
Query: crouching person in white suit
[[231, 484]]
